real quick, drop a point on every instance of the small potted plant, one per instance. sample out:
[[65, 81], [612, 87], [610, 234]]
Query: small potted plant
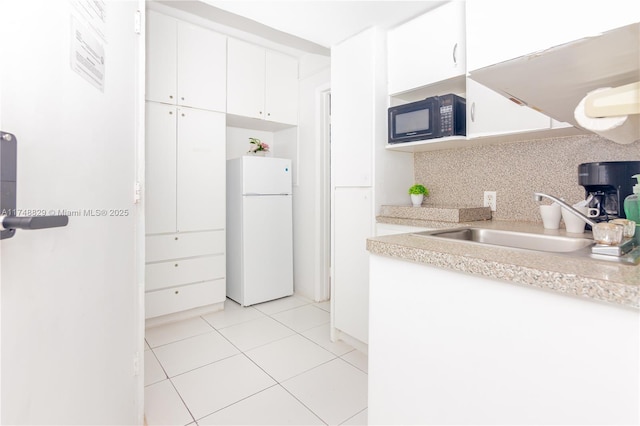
[[418, 192], [257, 147]]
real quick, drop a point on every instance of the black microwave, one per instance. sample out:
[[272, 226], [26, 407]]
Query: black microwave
[[430, 118]]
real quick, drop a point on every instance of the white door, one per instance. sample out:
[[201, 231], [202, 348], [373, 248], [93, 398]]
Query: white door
[[72, 320]]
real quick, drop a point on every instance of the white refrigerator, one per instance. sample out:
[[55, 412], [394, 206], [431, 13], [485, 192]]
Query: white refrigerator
[[259, 229]]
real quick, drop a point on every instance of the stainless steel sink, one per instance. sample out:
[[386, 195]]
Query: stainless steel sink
[[520, 240]]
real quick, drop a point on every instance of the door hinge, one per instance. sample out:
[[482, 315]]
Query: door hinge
[[137, 22], [137, 193]]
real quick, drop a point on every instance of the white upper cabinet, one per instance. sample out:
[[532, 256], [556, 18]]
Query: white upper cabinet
[[427, 49], [185, 169], [201, 174], [245, 85], [162, 45], [490, 114], [202, 69], [185, 64], [281, 88], [352, 113], [160, 164], [499, 30], [261, 84]]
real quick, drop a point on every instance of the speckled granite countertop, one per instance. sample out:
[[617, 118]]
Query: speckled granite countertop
[[583, 277]]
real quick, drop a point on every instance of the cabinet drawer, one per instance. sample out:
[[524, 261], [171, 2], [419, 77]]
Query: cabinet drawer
[[175, 246], [168, 301], [184, 271]]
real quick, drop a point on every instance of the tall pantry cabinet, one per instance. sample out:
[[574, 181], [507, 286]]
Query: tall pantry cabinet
[[185, 166]]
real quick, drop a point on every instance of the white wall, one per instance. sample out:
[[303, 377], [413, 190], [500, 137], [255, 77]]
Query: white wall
[[393, 170], [309, 270], [71, 298], [238, 140]]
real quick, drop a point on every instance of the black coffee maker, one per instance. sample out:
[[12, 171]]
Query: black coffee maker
[[606, 185]]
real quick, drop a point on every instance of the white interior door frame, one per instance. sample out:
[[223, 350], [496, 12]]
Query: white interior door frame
[[140, 253], [323, 201]]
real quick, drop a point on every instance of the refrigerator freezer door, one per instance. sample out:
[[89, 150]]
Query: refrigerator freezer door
[[267, 248], [266, 175]]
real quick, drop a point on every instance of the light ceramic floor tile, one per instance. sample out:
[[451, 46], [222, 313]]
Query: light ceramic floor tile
[[335, 391], [273, 406], [360, 419], [163, 405], [153, 372], [231, 304], [257, 332], [303, 318], [218, 385], [232, 316], [169, 333], [280, 305], [188, 354], [289, 357], [325, 306], [358, 360], [321, 335]]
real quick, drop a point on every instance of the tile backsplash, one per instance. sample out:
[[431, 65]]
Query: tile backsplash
[[459, 177]]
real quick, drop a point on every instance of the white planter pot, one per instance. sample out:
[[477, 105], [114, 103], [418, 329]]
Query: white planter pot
[[416, 199]]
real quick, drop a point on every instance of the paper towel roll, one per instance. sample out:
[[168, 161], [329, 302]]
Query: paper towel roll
[[622, 129]]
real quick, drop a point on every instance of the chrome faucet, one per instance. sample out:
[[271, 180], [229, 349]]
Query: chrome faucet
[[539, 195]]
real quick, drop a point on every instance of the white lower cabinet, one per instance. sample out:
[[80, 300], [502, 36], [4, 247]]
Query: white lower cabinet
[[185, 208], [447, 347], [176, 299], [353, 219], [175, 246], [184, 271]]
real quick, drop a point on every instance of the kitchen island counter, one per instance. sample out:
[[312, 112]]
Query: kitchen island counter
[[464, 333], [595, 279]]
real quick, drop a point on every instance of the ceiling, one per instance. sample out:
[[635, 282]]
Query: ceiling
[[327, 22], [309, 25]]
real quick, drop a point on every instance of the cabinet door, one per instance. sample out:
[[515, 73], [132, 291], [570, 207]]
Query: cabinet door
[[535, 26], [353, 218], [245, 79], [281, 88], [168, 301], [353, 121], [160, 168], [201, 170], [161, 58], [202, 70], [489, 113], [427, 49]]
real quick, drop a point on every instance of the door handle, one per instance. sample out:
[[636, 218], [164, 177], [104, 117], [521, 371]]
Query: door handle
[[32, 222], [9, 223]]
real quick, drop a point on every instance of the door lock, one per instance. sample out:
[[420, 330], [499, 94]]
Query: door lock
[[9, 222]]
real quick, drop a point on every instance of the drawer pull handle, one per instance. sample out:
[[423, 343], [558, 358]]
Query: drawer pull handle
[[176, 265], [177, 292], [176, 238]]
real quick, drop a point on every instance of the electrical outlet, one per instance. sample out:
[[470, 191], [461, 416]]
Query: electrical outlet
[[490, 200]]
